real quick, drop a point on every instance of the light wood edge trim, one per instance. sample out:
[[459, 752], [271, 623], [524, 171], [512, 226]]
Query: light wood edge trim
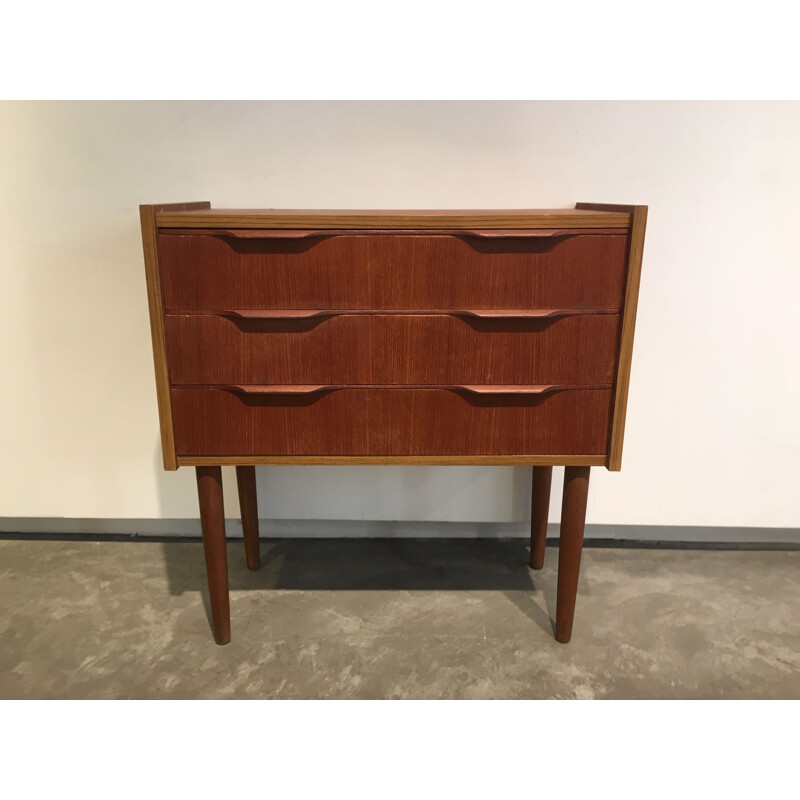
[[168, 207], [155, 302], [634, 272], [254, 234], [614, 208], [188, 219], [575, 461]]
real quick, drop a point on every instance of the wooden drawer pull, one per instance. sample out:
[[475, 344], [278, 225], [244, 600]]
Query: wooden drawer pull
[[481, 390], [520, 233], [264, 233], [277, 389], [282, 314], [530, 313], [477, 313], [514, 389]]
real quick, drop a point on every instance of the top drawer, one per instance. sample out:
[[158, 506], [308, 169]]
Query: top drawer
[[239, 270]]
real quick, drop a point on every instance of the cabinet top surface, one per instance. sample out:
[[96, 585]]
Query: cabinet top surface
[[386, 219]]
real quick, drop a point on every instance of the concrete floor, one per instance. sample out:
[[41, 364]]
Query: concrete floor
[[395, 619]]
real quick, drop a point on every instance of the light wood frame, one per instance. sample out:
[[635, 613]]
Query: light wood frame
[[419, 220], [632, 218], [147, 215], [632, 280]]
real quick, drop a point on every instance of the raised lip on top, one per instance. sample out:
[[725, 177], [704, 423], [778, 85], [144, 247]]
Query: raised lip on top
[[387, 219]]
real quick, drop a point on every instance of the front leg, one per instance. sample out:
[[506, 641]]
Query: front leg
[[212, 520], [570, 546]]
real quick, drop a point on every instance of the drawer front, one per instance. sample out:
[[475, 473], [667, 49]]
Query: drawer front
[[214, 272], [391, 349], [393, 422]]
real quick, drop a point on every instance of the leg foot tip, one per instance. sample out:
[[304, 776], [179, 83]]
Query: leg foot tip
[[223, 637]]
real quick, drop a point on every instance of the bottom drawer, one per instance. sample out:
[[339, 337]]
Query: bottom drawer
[[389, 422]]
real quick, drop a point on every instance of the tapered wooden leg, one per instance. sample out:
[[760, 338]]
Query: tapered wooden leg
[[248, 507], [573, 517], [212, 519], [540, 508]]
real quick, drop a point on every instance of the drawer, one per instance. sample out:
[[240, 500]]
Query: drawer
[[225, 270], [389, 421], [318, 348]]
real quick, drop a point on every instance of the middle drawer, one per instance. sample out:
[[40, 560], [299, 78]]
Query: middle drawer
[[335, 348]]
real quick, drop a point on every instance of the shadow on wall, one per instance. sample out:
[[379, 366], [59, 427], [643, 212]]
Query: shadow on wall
[[396, 493], [391, 565]]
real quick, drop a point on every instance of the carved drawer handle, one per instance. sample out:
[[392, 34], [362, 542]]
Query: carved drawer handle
[[267, 233], [281, 314], [531, 313], [477, 313], [516, 390], [483, 390], [281, 389], [516, 233]]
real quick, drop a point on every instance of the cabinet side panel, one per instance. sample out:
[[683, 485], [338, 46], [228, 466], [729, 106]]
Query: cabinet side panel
[[156, 305], [633, 277]]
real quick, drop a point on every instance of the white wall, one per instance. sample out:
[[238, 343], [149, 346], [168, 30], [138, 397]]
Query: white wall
[[713, 434]]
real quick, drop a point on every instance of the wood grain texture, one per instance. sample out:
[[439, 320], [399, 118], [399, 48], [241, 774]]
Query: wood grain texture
[[349, 219], [626, 337], [451, 461], [632, 281], [392, 349], [385, 272], [147, 217], [474, 392], [295, 314], [308, 233], [200, 205], [570, 547], [393, 337], [619, 208], [156, 307], [212, 521], [389, 422]]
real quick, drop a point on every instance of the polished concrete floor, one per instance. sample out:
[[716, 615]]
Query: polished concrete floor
[[395, 619]]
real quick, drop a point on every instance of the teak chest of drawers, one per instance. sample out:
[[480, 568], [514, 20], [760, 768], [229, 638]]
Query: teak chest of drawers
[[392, 337]]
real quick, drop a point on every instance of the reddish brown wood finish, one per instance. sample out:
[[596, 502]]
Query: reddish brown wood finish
[[391, 349], [370, 421], [248, 508], [540, 508], [212, 520], [386, 272], [393, 336], [499, 393], [573, 518]]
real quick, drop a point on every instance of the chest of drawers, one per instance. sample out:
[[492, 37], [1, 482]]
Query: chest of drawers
[[381, 337]]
